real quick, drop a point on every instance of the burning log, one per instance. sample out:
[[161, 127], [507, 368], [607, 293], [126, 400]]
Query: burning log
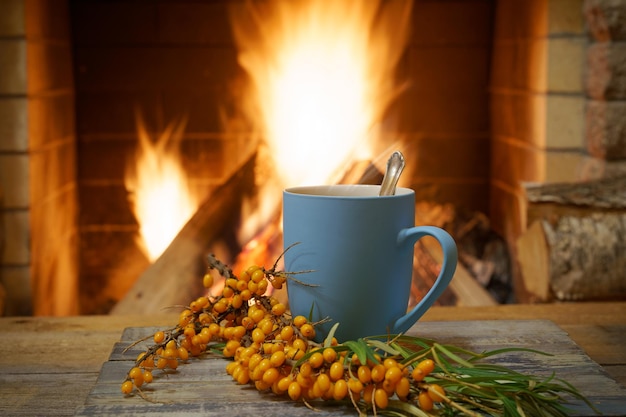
[[173, 278]]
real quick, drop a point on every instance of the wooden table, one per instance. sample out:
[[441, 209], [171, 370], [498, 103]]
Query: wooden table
[[48, 366]]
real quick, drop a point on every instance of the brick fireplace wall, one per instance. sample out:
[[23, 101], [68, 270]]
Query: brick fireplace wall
[[37, 160], [557, 109]]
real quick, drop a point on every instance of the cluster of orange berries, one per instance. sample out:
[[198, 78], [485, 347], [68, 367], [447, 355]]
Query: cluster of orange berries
[[235, 317], [276, 352], [332, 373]]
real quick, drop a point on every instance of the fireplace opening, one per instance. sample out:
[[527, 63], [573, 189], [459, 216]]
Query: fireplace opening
[[500, 107]]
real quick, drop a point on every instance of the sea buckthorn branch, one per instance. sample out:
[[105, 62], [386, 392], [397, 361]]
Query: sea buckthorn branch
[[390, 374]]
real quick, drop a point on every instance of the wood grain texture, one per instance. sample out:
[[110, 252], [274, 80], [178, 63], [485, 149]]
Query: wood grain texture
[[49, 365], [204, 388]]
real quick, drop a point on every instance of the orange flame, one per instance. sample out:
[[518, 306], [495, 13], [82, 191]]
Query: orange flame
[[161, 197], [322, 76]]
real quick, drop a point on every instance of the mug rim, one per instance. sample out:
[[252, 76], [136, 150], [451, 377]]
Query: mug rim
[[342, 191]]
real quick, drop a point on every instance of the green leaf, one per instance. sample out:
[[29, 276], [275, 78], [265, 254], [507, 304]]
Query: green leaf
[[329, 339], [452, 356], [359, 348], [377, 344]]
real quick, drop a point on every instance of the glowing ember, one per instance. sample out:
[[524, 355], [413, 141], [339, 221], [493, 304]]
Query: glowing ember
[[160, 195], [323, 75]]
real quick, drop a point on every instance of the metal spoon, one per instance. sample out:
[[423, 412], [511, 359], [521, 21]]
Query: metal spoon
[[395, 165]]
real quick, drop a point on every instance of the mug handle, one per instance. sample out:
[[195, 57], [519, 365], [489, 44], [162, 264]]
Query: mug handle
[[410, 236]]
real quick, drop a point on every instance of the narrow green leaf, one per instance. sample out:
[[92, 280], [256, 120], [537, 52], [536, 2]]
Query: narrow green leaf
[[329, 339], [377, 344], [360, 349], [453, 356]]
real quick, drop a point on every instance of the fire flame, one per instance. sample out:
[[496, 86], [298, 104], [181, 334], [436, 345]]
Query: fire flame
[[323, 76], [161, 197]]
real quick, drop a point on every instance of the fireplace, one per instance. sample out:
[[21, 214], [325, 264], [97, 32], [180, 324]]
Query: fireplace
[[499, 94]]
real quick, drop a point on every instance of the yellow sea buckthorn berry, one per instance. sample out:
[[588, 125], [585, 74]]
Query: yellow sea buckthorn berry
[[336, 371], [323, 381], [307, 331], [378, 373], [262, 288], [424, 401], [365, 374], [183, 353], [304, 381], [279, 309], [246, 294], [171, 345], [330, 355], [417, 374], [299, 344], [427, 366], [393, 374], [294, 391], [298, 321], [315, 391], [258, 335], [236, 301], [189, 331], [147, 377], [286, 333], [257, 315], [185, 317], [254, 361], [316, 360], [202, 302], [221, 306], [436, 392], [306, 369], [390, 363], [368, 393], [270, 376], [355, 385], [252, 268], [228, 292], [261, 385], [159, 337], [134, 372], [247, 323], [241, 285], [257, 276], [212, 330], [341, 390], [403, 387], [243, 377], [277, 283], [127, 387], [266, 325], [381, 398], [277, 358], [283, 383], [207, 280], [253, 287]]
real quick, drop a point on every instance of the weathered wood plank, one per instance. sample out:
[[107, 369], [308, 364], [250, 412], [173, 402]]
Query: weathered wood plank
[[204, 388], [60, 390]]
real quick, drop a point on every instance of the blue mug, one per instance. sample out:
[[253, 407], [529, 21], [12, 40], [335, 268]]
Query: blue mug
[[358, 247]]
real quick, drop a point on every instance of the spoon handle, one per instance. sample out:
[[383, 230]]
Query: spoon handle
[[395, 165]]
